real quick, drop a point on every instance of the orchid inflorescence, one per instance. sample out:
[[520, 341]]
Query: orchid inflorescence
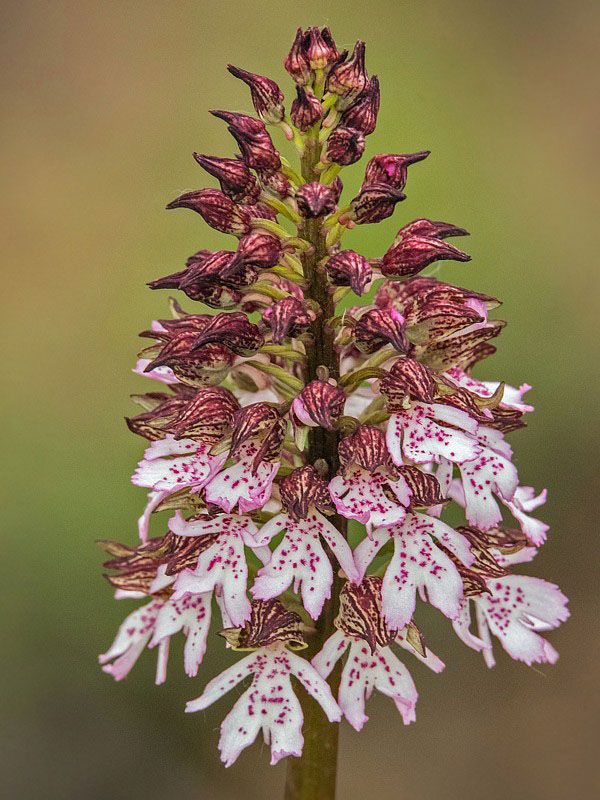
[[286, 412]]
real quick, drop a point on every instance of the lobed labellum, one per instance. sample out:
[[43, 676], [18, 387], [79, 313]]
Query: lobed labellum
[[429, 229], [374, 203]]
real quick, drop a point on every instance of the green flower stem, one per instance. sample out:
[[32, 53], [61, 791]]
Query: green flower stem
[[313, 775]]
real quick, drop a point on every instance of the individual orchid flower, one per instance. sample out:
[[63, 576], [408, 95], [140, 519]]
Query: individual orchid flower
[[371, 664], [516, 611], [417, 565], [257, 438], [300, 559], [153, 625], [150, 570], [269, 704], [222, 563], [170, 465], [369, 489]]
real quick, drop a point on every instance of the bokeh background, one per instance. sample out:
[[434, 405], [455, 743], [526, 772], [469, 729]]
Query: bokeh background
[[102, 104]]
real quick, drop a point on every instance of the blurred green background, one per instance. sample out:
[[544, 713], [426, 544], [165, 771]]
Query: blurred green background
[[102, 106]]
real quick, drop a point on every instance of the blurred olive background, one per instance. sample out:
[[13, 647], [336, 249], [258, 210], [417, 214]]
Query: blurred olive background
[[102, 106]]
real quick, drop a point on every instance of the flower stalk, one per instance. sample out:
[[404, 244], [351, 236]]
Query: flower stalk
[[313, 775]]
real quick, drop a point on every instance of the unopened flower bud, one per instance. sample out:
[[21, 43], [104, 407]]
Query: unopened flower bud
[[235, 331], [320, 403], [407, 378], [414, 253], [378, 327], [348, 268], [217, 209], [315, 200], [375, 203], [221, 297], [259, 249], [319, 48], [261, 211], [205, 367], [287, 317], [347, 79], [362, 114], [391, 170], [275, 182], [207, 417], [253, 139], [430, 229], [306, 109], [296, 63], [267, 97], [234, 177], [345, 146]]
